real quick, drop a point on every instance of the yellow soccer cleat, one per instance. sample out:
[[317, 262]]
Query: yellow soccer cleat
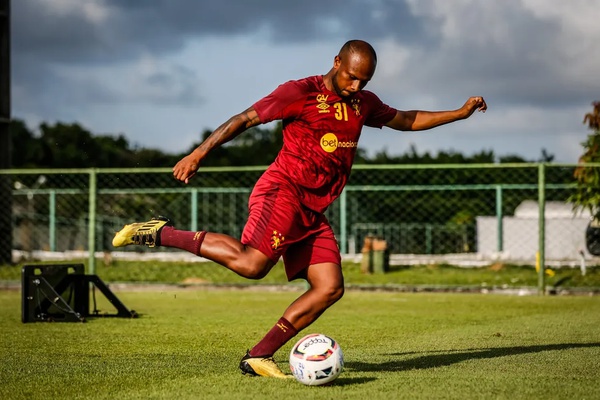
[[261, 366], [141, 233]]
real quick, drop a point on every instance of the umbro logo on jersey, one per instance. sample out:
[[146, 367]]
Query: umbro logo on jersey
[[322, 103]]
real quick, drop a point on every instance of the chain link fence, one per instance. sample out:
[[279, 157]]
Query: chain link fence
[[456, 214]]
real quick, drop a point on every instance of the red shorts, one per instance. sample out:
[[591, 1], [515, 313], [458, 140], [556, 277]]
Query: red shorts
[[279, 226]]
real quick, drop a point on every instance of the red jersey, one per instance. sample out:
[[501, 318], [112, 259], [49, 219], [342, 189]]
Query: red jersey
[[320, 136]]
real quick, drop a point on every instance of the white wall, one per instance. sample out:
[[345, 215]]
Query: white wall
[[565, 233]]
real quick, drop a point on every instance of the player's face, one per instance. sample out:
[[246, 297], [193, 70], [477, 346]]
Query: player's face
[[352, 74]]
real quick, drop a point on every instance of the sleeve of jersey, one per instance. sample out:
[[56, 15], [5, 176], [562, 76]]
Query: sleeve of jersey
[[379, 112], [284, 102]]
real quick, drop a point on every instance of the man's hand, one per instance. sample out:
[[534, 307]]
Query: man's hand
[[186, 168], [474, 103]]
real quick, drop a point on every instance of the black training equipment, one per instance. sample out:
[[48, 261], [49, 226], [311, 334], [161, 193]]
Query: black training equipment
[[61, 293]]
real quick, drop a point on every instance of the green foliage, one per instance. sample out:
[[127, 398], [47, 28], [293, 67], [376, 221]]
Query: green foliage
[[256, 146], [63, 145], [26, 149], [587, 194], [72, 146], [412, 156]]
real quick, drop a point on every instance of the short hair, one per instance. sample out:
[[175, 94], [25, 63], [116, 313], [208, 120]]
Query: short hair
[[358, 46]]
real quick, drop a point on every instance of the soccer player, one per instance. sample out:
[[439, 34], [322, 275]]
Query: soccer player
[[322, 118]]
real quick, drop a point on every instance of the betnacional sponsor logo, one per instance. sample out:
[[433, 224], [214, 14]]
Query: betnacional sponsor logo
[[330, 143]]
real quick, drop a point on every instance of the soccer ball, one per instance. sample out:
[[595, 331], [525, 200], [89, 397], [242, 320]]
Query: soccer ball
[[316, 359]]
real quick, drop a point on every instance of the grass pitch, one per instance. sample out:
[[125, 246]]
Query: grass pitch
[[187, 345]]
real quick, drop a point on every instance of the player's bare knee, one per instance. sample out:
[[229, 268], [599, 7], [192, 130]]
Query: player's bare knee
[[333, 293], [338, 293], [251, 270], [256, 273]]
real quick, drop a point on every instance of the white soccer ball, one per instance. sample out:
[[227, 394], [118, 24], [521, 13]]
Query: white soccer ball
[[316, 359]]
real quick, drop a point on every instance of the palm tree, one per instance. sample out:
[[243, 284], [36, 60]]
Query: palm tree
[[593, 118]]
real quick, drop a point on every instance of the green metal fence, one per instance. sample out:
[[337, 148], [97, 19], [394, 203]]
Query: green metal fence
[[459, 214]]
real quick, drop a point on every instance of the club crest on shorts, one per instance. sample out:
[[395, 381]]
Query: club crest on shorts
[[276, 240]]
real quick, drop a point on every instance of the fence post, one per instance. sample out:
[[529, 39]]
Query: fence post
[[93, 190], [541, 228], [428, 239], [500, 222], [194, 210], [6, 228], [52, 220]]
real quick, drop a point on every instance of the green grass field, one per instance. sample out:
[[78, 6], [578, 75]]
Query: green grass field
[[187, 344]]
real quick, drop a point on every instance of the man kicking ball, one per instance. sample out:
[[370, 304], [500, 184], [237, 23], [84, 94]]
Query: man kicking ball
[[322, 116]]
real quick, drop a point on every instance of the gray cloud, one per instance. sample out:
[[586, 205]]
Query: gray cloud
[[48, 35], [517, 55], [520, 54], [120, 30]]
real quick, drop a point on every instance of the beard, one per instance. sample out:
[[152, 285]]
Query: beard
[[342, 93]]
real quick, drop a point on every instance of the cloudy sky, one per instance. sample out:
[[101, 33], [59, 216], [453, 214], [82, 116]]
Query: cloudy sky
[[162, 71]]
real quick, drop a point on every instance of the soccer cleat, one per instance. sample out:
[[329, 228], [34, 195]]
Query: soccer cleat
[[261, 366], [142, 233]]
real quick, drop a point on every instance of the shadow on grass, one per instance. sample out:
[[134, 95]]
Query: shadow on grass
[[448, 357], [352, 381]]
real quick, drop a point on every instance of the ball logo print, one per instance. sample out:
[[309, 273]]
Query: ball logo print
[[313, 340], [316, 359]]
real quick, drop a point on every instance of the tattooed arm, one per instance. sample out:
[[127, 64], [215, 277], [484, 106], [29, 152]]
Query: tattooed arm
[[187, 167]]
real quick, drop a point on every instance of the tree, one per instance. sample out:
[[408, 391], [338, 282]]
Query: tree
[[257, 146], [64, 145], [26, 149], [593, 118], [546, 157], [587, 195]]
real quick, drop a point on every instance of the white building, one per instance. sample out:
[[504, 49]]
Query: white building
[[565, 233]]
